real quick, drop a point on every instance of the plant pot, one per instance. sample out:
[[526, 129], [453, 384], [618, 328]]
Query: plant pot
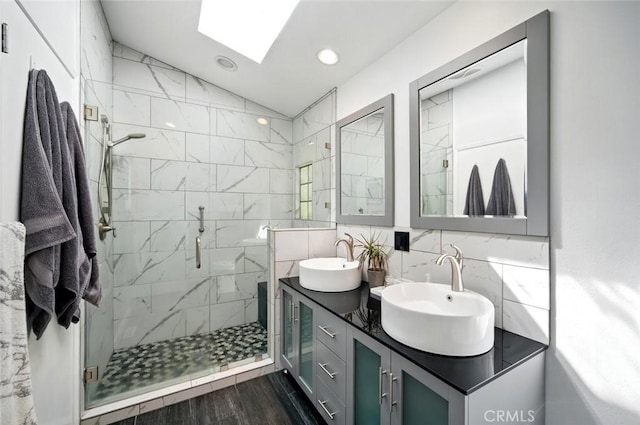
[[376, 277]]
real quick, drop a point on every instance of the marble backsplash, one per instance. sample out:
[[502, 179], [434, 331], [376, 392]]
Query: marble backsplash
[[512, 271]]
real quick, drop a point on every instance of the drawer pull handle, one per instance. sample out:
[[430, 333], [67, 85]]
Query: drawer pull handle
[[322, 404], [381, 395], [323, 366], [392, 380], [323, 329]]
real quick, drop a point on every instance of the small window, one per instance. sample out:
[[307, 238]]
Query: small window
[[306, 191]]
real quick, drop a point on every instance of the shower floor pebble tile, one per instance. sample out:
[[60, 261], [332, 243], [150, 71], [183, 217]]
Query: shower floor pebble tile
[[150, 364]]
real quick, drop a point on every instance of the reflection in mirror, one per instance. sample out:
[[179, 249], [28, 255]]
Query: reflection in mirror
[[470, 121], [479, 149], [364, 165]]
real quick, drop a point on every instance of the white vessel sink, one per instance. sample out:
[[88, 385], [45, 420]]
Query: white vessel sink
[[431, 317], [329, 274]]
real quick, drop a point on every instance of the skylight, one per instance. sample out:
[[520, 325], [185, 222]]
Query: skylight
[[247, 26]]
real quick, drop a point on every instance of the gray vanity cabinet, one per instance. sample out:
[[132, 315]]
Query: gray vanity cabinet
[[331, 368], [385, 388], [417, 397], [368, 368], [354, 379], [298, 336]]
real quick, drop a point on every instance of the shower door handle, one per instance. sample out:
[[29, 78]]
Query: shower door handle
[[198, 264]]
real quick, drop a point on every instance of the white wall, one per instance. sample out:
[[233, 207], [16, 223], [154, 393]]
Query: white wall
[[62, 33], [54, 358], [592, 367]]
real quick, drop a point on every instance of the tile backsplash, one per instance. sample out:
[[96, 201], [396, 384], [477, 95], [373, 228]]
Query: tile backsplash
[[511, 271]]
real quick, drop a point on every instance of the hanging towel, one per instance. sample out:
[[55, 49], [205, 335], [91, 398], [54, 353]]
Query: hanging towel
[[16, 400], [85, 255], [45, 164], [501, 201], [474, 202]]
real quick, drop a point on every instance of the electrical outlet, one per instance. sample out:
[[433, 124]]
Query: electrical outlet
[[401, 241]]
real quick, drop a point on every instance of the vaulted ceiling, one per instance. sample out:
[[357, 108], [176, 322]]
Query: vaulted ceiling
[[290, 78]]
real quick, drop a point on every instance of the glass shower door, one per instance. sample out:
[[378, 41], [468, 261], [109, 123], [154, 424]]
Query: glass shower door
[[184, 292]]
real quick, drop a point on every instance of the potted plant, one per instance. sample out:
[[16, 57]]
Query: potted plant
[[376, 258]]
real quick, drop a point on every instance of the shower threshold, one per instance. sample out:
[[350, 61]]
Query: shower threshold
[[149, 367]]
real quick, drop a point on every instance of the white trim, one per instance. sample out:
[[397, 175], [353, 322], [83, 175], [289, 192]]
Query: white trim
[[151, 395]]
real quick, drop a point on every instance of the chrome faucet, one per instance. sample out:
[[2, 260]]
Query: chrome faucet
[[459, 256], [456, 268], [349, 244]]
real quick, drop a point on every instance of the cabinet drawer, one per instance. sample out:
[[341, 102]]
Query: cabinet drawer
[[332, 332], [332, 370], [331, 409]]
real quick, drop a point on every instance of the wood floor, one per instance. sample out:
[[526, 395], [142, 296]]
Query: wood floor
[[270, 400]]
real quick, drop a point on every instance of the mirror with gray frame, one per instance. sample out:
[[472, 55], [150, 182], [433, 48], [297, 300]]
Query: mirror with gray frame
[[480, 137], [364, 165]]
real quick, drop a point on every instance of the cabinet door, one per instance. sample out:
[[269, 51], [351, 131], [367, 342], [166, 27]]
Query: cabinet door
[[306, 339], [287, 332], [368, 364], [417, 397]]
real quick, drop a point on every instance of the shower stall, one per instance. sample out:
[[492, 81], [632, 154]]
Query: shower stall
[[187, 180]]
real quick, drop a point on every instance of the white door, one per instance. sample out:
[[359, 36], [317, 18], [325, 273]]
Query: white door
[[55, 362]]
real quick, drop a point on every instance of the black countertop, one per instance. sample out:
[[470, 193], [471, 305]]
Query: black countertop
[[466, 374]]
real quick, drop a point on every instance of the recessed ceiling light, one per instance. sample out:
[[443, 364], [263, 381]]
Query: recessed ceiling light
[[247, 26], [262, 121], [170, 124], [226, 63], [328, 57]]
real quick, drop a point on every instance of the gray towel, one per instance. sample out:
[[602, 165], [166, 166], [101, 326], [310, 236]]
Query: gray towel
[[45, 160], [501, 201], [16, 400], [474, 202], [87, 262]]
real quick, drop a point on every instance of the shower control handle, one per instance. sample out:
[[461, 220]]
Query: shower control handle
[[104, 228], [198, 263], [201, 229]]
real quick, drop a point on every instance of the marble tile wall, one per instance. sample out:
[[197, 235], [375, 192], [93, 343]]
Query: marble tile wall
[[313, 141], [96, 89], [287, 247], [512, 271], [204, 147]]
